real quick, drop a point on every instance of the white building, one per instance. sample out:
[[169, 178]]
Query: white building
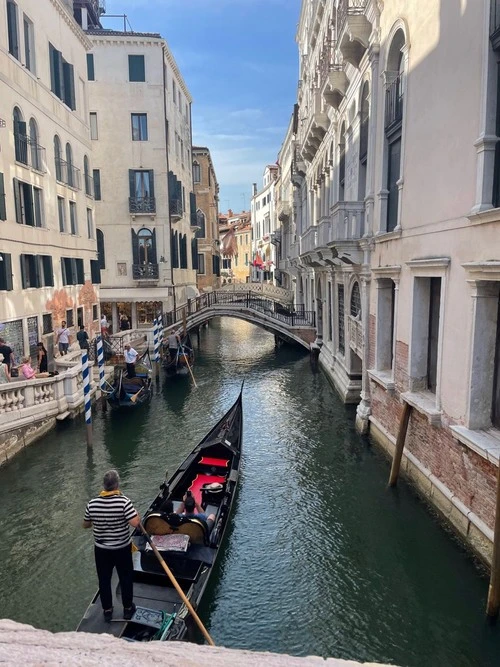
[[284, 237], [263, 225], [140, 119], [48, 267]]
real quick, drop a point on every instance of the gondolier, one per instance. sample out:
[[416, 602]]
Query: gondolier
[[130, 358], [174, 341], [110, 515]]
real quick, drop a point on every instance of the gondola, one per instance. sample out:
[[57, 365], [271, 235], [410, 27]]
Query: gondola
[[188, 546], [128, 392], [184, 358]]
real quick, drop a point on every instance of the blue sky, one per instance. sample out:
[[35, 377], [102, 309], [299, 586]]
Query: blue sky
[[239, 61]]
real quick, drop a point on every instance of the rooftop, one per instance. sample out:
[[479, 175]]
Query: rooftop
[[104, 32]]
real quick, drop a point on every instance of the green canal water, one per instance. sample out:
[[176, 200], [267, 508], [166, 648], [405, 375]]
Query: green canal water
[[320, 558]]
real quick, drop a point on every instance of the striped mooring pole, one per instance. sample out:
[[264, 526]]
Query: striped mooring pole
[[160, 333], [100, 363], [156, 348], [86, 396]]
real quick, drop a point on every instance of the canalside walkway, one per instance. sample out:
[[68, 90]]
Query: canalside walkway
[[24, 645]]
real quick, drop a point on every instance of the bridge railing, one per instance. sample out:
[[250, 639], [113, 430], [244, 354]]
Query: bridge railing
[[288, 314]]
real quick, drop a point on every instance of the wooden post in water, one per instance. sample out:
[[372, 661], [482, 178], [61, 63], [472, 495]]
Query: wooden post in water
[[400, 443], [493, 604], [184, 321]]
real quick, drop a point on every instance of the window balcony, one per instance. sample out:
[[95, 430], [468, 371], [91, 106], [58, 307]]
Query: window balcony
[[325, 231], [176, 211], [29, 153], [284, 210], [275, 237], [309, 240], [145, 272], [317, 126], [354, 30], [348, 221], [138, 205], [68, 174], [355, 334]]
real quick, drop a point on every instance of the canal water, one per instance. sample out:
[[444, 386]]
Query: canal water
[[320, 558]]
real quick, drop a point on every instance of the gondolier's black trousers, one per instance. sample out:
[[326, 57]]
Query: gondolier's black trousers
[[131, 370], [105, 561]]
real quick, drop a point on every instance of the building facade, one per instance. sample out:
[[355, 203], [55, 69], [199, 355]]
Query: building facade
[[140, 122], [48, 263], [206, 190], [395, 211], [235, 247], [263, 217], [284, 237]]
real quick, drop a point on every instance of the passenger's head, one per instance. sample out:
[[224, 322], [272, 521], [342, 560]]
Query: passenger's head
[[111, 480], [63, 323], [25, 360], [189, 504]]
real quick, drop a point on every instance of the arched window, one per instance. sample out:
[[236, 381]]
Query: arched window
[[20, 138], [146, 246], [200, 222], [355, 301], [89, 190], [69, 166], [394, 96], [363, 139], [342, 162], [58, 158], [196, 172], [101, 255], [36, 155]]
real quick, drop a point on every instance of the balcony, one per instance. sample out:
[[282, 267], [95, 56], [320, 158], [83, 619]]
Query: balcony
[[175, 208], [394, 104], [309, 240], [348, 221], [68, 174], [275, 237], [317, 126], [325, 231], [298, 166], [355, 335], [142, 205], [29, 153], [284, 211], [148, 272], [354, 30]]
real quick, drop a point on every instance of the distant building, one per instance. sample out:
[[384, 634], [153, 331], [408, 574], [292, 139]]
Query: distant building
[[236, 246], [263, 225], [206, 215]]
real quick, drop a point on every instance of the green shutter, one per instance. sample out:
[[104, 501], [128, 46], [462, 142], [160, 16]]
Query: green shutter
[[3, 208], [131, 182], [136, 68], [151, 183], [135, 248], [153, 247], [17, 201], [23, 271], [97, 185], [90, 67]]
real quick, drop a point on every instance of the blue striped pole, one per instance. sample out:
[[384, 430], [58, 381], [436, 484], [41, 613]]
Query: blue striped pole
[[100, 363], [86, 396], [156, 348], [160, 332]]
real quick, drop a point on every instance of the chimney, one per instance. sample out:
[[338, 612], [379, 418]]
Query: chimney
[[254, 189]]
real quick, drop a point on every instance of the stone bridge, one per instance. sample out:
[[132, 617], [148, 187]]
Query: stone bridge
[[291, 324]]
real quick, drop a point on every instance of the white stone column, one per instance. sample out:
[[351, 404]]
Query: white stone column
[[134, 314], [115, 320], [363, 411], [372, 144]]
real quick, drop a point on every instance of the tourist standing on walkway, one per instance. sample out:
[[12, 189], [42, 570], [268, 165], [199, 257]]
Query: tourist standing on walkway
[[83, 338], [4, 370], [130, 359], [7, 352], [43, 366], [104, 326], [63, 337], [110, 515]]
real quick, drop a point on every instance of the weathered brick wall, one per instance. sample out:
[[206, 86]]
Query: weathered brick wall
[[401, 367]]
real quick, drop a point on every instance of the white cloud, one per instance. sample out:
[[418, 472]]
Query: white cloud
[[246, 114]]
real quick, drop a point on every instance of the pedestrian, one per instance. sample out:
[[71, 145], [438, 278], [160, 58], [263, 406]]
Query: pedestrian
[[104, 326], [28, 372], [4, 370], [110, 515], [63, 338], [83, 338], [124, 323], [43, 366], [7, 352], [130, 358]]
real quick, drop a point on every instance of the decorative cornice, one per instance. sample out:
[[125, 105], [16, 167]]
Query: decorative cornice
[[429, 263], [70, 21]]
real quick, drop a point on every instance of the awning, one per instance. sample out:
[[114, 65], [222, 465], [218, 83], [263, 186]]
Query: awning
[[258, 261]]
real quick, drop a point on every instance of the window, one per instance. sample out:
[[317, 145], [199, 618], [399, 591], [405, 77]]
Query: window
[[174, 249], [180, 101], [90, 224], [62, 78], [58, 159], [5, 272], [425, 334], [95, 272], [90, 67], [70, 317], [29, 204], [72, 271], [144, 246], [35, 148], [20, 138], [97, 184], [38, 205], [196, 173], [12, 29], [89, 186], [136, 68], [226, 263], [101, 257], [393, 175], [139, 126], [385, 324], [29, 44], [363, 139], [340, 296], [47, 326], [71, 177], [72, 218], [174, 92], [141, 183], [246, 259], [355, 301], [3, 208], [61, 212], [47, 272], [201, 263], [194, 254], [342, 163], [36, 271], [94, 135], [95, 314]]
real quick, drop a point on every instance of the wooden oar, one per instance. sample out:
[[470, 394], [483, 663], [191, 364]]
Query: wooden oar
[[189, 367], [134, 397], [175, 584]]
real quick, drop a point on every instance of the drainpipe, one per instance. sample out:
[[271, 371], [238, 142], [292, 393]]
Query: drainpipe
[[168, 169]]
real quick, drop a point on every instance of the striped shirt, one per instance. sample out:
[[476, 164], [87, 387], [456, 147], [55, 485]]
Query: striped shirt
[[110, 516]]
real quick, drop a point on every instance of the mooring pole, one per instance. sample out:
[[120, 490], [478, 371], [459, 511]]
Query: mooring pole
[[400, 443], [100, 363], [184, 321], [493, 604], [160, 334], [86, 396], [156, 349]]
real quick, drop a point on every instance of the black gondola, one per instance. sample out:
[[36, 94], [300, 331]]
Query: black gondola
[[189, 546], [131, 392], [179, 364]]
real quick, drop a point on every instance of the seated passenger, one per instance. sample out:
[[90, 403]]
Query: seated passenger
[[189, 505]]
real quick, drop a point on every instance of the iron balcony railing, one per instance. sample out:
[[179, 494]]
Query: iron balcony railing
[[67, 173], [176, 208], [346, 8], [145, 271], [30, 153], [142, 204], [89, 185], [394, 103], [327, 60]]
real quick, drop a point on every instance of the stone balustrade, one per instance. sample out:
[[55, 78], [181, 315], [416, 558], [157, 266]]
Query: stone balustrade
[[268, 290]]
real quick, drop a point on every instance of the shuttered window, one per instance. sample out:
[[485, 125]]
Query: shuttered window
[[194, 253], [136, 68], [90, 67], [6, 272], [12, 29], [62, 78], [95, 272], [29, 271], [97, 184], [72, 271], [174, 249]]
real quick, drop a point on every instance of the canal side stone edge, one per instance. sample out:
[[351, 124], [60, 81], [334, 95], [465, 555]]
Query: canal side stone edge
[[23, 644]]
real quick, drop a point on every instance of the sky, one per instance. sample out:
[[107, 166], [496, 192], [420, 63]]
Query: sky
[[239, 60]]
